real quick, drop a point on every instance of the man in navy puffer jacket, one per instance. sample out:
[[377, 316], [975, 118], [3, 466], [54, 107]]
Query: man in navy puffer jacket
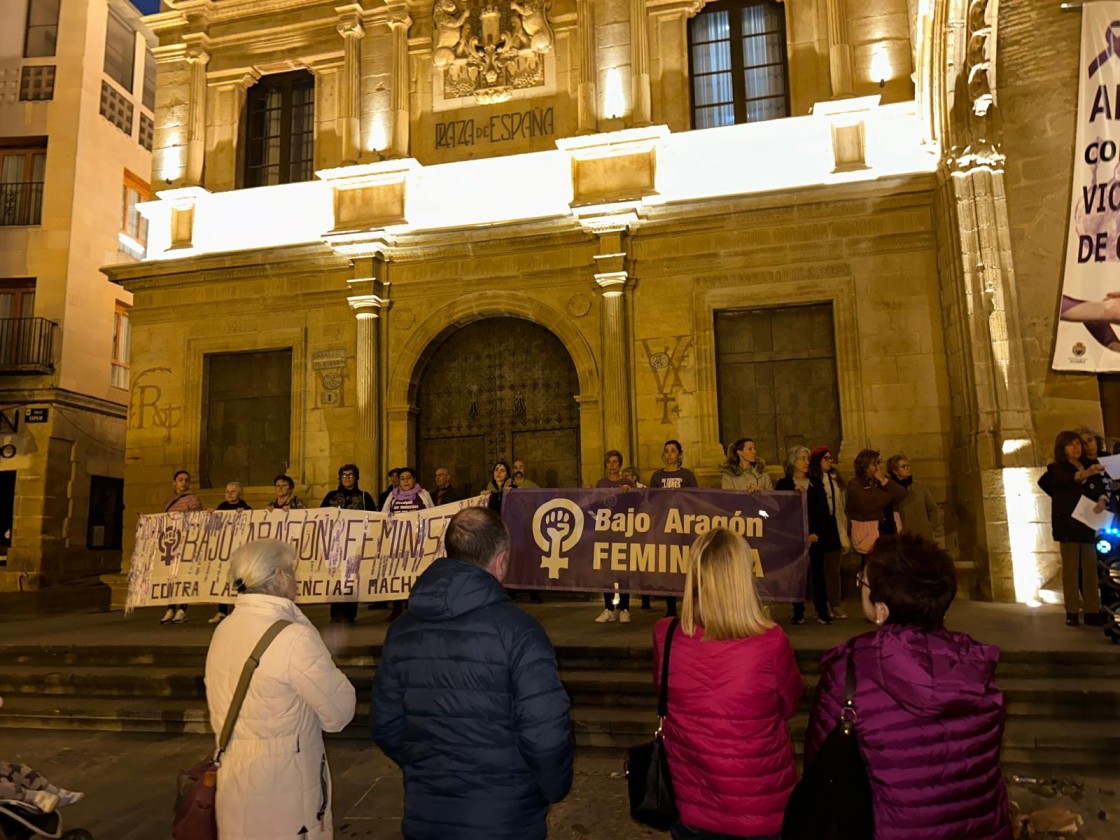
[[468, 701]]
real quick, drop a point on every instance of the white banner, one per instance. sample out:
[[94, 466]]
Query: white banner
[[344, 555], [1089, 314]]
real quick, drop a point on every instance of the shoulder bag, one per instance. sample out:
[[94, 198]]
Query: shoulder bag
[[833, 799], [647, 766], [195, 817]]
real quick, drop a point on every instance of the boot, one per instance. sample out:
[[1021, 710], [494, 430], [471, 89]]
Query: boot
[[1072, 620]]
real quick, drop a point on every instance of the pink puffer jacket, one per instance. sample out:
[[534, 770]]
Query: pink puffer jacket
[[726, 736], [930, 721]]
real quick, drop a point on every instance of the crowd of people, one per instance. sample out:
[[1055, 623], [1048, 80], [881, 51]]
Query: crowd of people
[[467, 699]]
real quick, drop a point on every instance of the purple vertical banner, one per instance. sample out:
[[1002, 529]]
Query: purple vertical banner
[[590, 540]]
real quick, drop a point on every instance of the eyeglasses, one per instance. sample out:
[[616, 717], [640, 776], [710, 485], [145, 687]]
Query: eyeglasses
[[861, 582]]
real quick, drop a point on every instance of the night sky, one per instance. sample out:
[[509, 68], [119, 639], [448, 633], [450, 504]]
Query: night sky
[[146, 6]]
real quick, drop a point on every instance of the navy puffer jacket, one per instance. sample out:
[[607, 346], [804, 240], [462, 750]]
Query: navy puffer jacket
[[467, 700]]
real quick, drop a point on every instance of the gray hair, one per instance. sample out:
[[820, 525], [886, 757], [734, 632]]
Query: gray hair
[[791, 457], [236, 484], [263, 567]]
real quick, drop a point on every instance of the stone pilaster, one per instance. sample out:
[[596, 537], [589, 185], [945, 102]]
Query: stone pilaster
[[197, 56], [349, 89], [367, 300], [587, 98], [225, 103], [399, 22], [613, 280], [639, 64], [839, 49]]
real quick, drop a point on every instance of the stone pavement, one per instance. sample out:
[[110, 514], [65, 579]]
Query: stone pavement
[[129, 782]]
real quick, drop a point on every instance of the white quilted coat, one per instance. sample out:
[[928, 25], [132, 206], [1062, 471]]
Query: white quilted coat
[[274, 782]]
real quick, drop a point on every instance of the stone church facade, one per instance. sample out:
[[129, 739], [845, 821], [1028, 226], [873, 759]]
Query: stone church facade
[[442, 234]]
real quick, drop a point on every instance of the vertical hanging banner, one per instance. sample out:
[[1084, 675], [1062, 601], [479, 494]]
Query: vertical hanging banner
[[639, 540], [1089, 314]]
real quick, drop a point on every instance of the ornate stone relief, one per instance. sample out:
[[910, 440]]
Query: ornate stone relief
[[488, 50], [981, 55]]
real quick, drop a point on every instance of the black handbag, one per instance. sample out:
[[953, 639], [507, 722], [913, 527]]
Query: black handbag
[[833, 799], [647, 767]]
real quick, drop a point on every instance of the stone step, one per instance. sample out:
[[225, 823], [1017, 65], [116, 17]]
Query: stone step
[[1043, 741]]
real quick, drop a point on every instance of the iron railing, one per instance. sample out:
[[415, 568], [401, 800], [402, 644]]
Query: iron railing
[[26, 345], [21, 203]]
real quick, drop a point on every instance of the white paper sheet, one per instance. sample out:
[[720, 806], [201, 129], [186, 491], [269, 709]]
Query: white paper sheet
[[1111, 464], [1097, 521]]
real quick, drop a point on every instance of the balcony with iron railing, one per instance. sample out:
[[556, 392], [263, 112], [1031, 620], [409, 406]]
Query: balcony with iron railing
[[21, 203], [26, 345]]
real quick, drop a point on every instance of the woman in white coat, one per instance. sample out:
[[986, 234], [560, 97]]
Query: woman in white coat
[[274, 780]]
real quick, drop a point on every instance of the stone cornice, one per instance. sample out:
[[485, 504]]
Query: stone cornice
[[240, 265], [65, 399]]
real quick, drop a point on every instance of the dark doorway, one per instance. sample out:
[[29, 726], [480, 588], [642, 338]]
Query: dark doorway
[[7, 509], [105, 525], [499, 388]]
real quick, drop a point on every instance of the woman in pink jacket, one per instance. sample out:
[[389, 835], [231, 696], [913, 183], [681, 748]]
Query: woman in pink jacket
[[733, 685], [929, 717]]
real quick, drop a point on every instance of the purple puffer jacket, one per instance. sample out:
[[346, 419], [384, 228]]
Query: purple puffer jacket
[[930, 722]]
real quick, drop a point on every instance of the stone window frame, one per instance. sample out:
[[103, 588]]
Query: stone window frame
[[738, 64], [194, 364], [285, 83], [737, 291]]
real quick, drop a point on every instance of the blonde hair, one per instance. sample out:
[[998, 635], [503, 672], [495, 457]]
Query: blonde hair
[[719, 592]]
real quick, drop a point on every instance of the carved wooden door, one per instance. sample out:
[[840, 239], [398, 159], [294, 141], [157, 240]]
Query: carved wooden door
[[499, 388]]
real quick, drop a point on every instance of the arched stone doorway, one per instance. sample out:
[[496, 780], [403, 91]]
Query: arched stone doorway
[[499, 388]]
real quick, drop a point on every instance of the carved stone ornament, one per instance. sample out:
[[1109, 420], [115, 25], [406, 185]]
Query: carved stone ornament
[[489, 50], [980, 56]]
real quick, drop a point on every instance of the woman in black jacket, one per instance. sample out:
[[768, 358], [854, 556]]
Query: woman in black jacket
[[1066, 481], [797, 478]]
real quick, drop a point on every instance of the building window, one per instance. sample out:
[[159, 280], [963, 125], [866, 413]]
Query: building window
[[120, 51], [133, 238], [41, 35], [280, 130], [149, 97], [246, 417], [737, 62], [122, 346], [17, 298], [36, 83], [105, 524], [21, 185], [147, 131], [776, 378], [116, 108]]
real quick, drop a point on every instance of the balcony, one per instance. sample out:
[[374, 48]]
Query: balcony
[[21, 203], [26, 345]]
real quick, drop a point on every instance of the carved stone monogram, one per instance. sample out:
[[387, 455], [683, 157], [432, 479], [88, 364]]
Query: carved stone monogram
[[489, 50]]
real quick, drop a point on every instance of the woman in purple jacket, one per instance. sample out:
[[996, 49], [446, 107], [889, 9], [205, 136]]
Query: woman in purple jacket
[[929, 716]]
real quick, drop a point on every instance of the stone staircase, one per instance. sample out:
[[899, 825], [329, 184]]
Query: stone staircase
[[1057, 715]]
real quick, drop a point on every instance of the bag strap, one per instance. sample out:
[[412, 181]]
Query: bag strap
[[663, 695], [243, 684], [848, 712]]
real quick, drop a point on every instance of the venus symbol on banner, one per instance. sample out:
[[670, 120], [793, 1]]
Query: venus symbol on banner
[[557, 527]]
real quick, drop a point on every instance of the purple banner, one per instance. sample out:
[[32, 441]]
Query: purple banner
[[590, 540]]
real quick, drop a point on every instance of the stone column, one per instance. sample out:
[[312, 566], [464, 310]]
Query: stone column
[[399, 23], [639, 64], [587, 98], [839, 50], [198, 57], [225, 103], [367, 303], [613, 281], [349, 89]]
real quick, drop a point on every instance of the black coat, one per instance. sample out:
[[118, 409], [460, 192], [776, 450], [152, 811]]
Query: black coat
[[1065, 491], [821, 521]]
